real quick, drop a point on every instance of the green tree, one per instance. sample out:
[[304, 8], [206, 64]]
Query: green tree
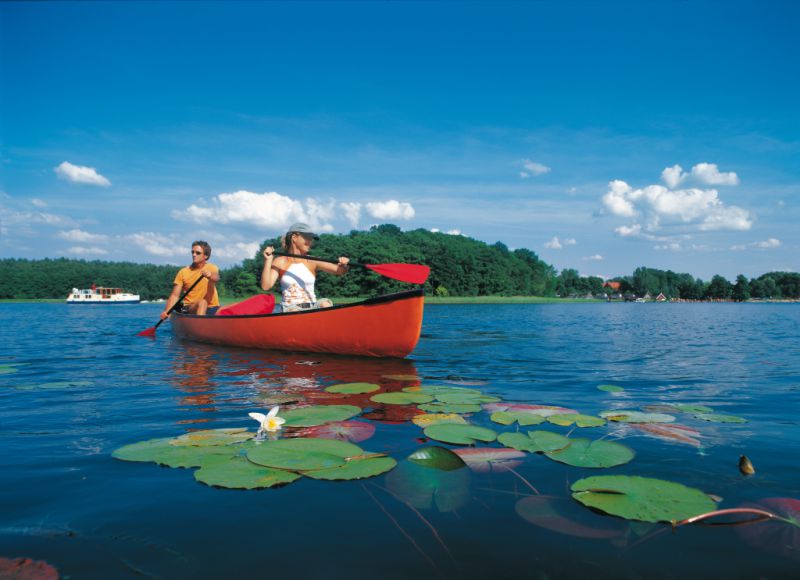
[[741, 289]]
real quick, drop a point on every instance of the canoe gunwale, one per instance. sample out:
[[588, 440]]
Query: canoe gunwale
[[397, 296]]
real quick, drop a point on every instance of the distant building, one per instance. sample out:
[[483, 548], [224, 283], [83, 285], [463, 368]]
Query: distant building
[[613, 285], [661, 297]]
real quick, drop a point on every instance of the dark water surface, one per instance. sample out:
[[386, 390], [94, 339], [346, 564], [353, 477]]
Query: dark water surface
[[76, 383]]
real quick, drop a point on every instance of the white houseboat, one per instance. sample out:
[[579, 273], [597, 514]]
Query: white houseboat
[[100, 295]]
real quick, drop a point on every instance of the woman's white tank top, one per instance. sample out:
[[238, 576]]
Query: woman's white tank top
[[297, 285]]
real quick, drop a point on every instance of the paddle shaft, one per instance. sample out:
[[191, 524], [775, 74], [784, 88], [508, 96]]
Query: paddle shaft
[[288, 255], [174, 306]]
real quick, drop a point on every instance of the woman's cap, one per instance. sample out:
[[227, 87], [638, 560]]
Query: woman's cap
[[302, 228]]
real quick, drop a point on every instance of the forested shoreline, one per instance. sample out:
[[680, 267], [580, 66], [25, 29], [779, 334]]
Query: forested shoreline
[[460, 266]]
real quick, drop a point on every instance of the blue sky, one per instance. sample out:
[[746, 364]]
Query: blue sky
[[601, 135]]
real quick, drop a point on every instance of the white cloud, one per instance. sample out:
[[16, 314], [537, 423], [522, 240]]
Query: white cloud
[[454, 232], [554, 244], [82, 251], [158, 244], [626, 231], [39, 203], [570, 242], [391, 209], [81, 237], [770, 243], [235, 252], [673, 176], [352, 212], [80, 174], [672, 247], [533, 168], [594, 258], [698, 208], [709, 174], [268, 210]]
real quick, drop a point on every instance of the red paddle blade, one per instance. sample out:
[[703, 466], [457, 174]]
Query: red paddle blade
[[411, 273], [149, 332]]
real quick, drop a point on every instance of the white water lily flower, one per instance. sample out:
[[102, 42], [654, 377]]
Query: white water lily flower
[[269, 422]]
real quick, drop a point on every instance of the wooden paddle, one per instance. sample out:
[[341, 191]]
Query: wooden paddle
[[152, 330], [411, 273]]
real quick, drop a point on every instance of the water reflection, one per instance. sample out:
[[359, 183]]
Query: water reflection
[[193, 373]]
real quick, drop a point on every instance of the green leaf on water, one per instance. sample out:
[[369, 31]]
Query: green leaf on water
[[534, 441], [576, 419], [450, 408], [694, 408], [628, 416], [401, 398], [163, 452], [318, 415], [427, 419], [593, 454], [239, 473], [211, 437], [357, 468], [521, 417], [610, 388], [717, 418], [459, 434], [303, 454], [466, 398], [641, 498], [437, 457], [353, 388], [436, 390]]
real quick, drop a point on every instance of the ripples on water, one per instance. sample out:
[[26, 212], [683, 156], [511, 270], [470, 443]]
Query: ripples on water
[[84, 384]]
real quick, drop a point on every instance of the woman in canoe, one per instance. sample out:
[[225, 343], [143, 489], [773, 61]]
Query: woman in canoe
[[296, 275]]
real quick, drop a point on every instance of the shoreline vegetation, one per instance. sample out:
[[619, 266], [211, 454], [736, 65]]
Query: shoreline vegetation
[[463, 271]]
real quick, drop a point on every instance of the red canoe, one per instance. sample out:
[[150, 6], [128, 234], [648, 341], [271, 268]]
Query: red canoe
[[386, 326]]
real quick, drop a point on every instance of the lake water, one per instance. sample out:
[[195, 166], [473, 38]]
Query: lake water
[[76, 383]]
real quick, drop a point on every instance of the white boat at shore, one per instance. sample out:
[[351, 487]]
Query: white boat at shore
[[101, 295]]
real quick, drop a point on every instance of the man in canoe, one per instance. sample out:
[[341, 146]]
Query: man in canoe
[[296, 274], [202, 299]]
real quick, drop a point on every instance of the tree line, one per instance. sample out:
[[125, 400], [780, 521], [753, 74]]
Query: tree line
[[460, 266]]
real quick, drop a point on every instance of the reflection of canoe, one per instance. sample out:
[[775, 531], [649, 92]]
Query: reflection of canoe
[[386, 326]]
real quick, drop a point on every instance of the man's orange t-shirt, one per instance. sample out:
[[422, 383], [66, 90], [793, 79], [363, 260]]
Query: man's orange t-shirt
[[187, 276]]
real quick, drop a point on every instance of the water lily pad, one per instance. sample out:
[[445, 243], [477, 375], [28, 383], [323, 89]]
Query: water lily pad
[[541, 410], [670, 432], [641, 498], [459, 434], [10, 368], [272, 399], [437, 457], [163, 452], [468, 398], [303, 454], [353, 431], [461, 408], [717, 418], [486, 459], [510, 417], [426, 486], [534, 441], [427, 419], [353, 388], [594, 454], [780, 535], [576, 419], [401, 398], [239, 473], [436, 390], [318, 415], [211, 437], [660, 408], [628, 416], [610, 388], [694, 408], [358, 468], [551, 514]]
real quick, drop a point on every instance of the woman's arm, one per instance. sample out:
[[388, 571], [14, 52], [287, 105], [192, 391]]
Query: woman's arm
[[270, 273], [338, 269]]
